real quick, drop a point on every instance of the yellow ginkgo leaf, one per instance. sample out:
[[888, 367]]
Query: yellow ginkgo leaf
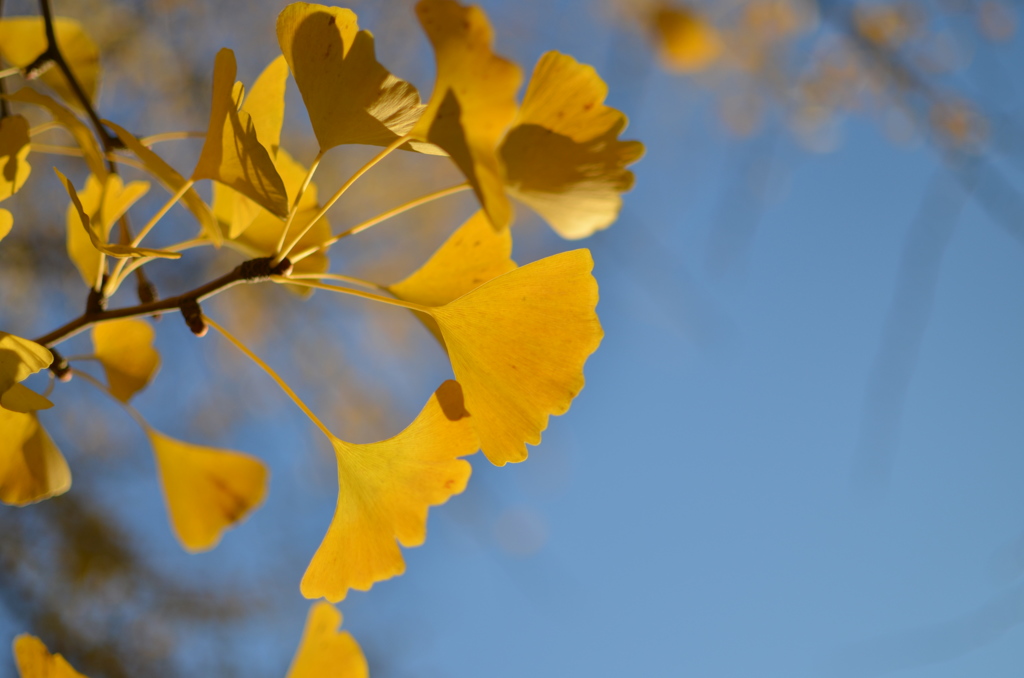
[[474, 254], [20, 398], [104, 203], [265, 103], [82, 135], [517, 346], [125, 349], [35, 661], [120, 251], [23, 39], [31, 466], [233, 211], [563, 157], [350, 97], [14, 147], [232, 153], [208, 490], [686, 42], [171, 180], [6, 223], [384, 491], [18, 359], [473, 101], [325, 651]]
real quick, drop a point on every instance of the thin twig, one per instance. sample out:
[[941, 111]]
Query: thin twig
[[255, 270]]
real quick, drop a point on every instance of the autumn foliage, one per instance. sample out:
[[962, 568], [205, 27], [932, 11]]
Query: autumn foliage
[[517, 336]]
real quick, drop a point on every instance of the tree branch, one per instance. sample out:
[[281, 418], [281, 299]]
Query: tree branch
[[53, 53], [254, 270], [4, 110]]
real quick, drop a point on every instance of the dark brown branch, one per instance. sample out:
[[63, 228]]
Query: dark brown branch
[[4, 109], [256, 270], [53, 54], [146, 289]]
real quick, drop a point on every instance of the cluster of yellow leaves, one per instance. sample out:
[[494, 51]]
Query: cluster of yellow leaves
[[22, 40], [207, 490], [517, 337], [558, 152], [323, 652]]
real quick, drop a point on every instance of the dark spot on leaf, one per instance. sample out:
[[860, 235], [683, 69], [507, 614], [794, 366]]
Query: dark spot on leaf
[[450, 398]]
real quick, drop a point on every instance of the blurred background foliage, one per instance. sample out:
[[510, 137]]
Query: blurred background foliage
[[95, 572]]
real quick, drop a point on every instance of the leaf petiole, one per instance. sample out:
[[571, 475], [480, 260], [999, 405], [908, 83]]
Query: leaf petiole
[[383, 216], [273, 375], [282, 253], [127, 408], [337, 276], [170, 136], [356, 293], [298, 198]]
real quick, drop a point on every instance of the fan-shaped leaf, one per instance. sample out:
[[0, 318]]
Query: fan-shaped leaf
[[125, 349], [23, 39], [473, 100], [517, 346], [563, 157], [208, 490], [232, 154], [350, 97], [384, 491], [474, 254], [18, 359], [120, 251], [104, 204], [20, 398], [31, 466], [265, 103]]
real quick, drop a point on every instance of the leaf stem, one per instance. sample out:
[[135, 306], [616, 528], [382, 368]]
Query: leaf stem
[[356, 293], [127, 408], [338, 276], [298, 197], [44, 127], [141, 261], [383, 216], [273, 375], [340, 192], [170, 136], [77, 153], [161, 212]]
